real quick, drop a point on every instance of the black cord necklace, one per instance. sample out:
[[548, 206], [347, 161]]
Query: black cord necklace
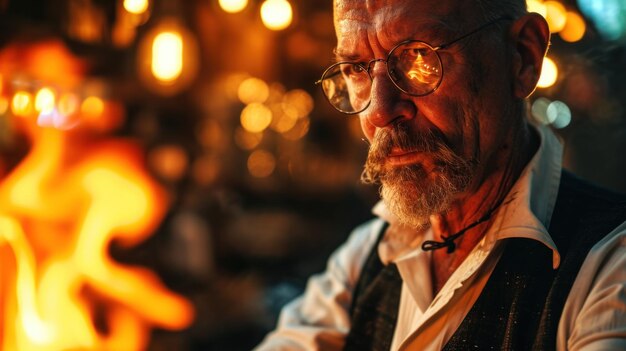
[[448, 241]]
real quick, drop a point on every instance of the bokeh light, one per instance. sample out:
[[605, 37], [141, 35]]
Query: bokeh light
[[256, 117], [559, 113], [247, 140], [92, 107], [555, 15], [276, 14], [253, 90], [45, 100], [299, 130], [22, 103], [169, 161], [300, 101], [609, 16], [68, 104], [536, 6], [539, 110], [574, 29], [282, 121], [549, 73], [54, 119], [167, 56], [233, 6], [261, 163], [136, 7]]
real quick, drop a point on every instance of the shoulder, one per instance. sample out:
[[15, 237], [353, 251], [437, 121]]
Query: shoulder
[[572, 183], [351, 256], [595, 311]]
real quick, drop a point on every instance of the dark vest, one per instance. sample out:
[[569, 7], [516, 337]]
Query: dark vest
[[521, 304]]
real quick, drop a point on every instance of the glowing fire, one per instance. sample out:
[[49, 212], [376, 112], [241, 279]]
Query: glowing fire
[[60, 209]]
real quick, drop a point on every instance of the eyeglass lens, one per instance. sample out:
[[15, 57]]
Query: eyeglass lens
[[414, 67]]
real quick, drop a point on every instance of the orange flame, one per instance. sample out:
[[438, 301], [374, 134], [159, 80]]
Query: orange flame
[[60, 209]]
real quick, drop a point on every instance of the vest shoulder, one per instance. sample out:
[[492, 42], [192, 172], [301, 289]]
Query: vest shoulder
[[585, 190]]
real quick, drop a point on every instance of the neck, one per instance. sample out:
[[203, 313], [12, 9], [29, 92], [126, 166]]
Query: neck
[[471, 211]]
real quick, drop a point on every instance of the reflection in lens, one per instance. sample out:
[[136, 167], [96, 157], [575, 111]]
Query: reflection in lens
[[421, 72], [416, 68]]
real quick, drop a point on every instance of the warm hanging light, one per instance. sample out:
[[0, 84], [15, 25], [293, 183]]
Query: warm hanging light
[[168, 57], [276, 14], [45, 100], [136, 7], [233, 6]]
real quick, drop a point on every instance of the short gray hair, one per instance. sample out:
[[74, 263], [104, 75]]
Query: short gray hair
[[492, 9]]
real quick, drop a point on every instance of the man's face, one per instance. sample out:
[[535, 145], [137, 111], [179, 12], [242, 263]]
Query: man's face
[[428, 151]]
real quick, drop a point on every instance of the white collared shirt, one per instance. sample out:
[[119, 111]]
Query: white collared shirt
[[594, 316]]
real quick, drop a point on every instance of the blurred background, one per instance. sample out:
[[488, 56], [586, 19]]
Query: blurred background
[[170, 175]]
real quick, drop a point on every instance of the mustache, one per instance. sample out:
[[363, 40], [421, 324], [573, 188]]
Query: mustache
[[401, 137]]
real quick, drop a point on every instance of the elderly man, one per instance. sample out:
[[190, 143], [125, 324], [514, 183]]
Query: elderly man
[[482, 241]]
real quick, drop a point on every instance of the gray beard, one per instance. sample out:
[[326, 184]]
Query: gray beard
[[409, 192]]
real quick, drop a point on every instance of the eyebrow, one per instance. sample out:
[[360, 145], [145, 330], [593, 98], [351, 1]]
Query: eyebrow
[[432, 35], [339, 56]]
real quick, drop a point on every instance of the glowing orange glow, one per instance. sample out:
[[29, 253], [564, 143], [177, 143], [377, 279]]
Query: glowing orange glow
[[167, 56], [253, 90], [574, 29], [49, 61], [256, 117], [261, 163], [68, 104], [555, 15], [61, 208], [169, 161], [92, 107], [22, 103], [45, 100], [422, 71], [276, 14], [549, 73], [300, 101], [283, 122], [536, 6], [136, 7], [233, 6], [4, 105], [299, 130], [247, 140]]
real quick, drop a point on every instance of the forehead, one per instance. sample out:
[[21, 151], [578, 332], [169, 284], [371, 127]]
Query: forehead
[[391, 21]]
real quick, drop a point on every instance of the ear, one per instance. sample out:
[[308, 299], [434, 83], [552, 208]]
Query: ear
[[530, 36]]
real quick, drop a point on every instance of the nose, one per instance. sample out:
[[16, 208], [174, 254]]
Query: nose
[[387, 103]]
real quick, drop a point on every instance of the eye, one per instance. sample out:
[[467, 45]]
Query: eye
[[352, 69]]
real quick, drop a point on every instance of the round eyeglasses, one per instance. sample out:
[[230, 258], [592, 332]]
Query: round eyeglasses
[[413, 66]]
